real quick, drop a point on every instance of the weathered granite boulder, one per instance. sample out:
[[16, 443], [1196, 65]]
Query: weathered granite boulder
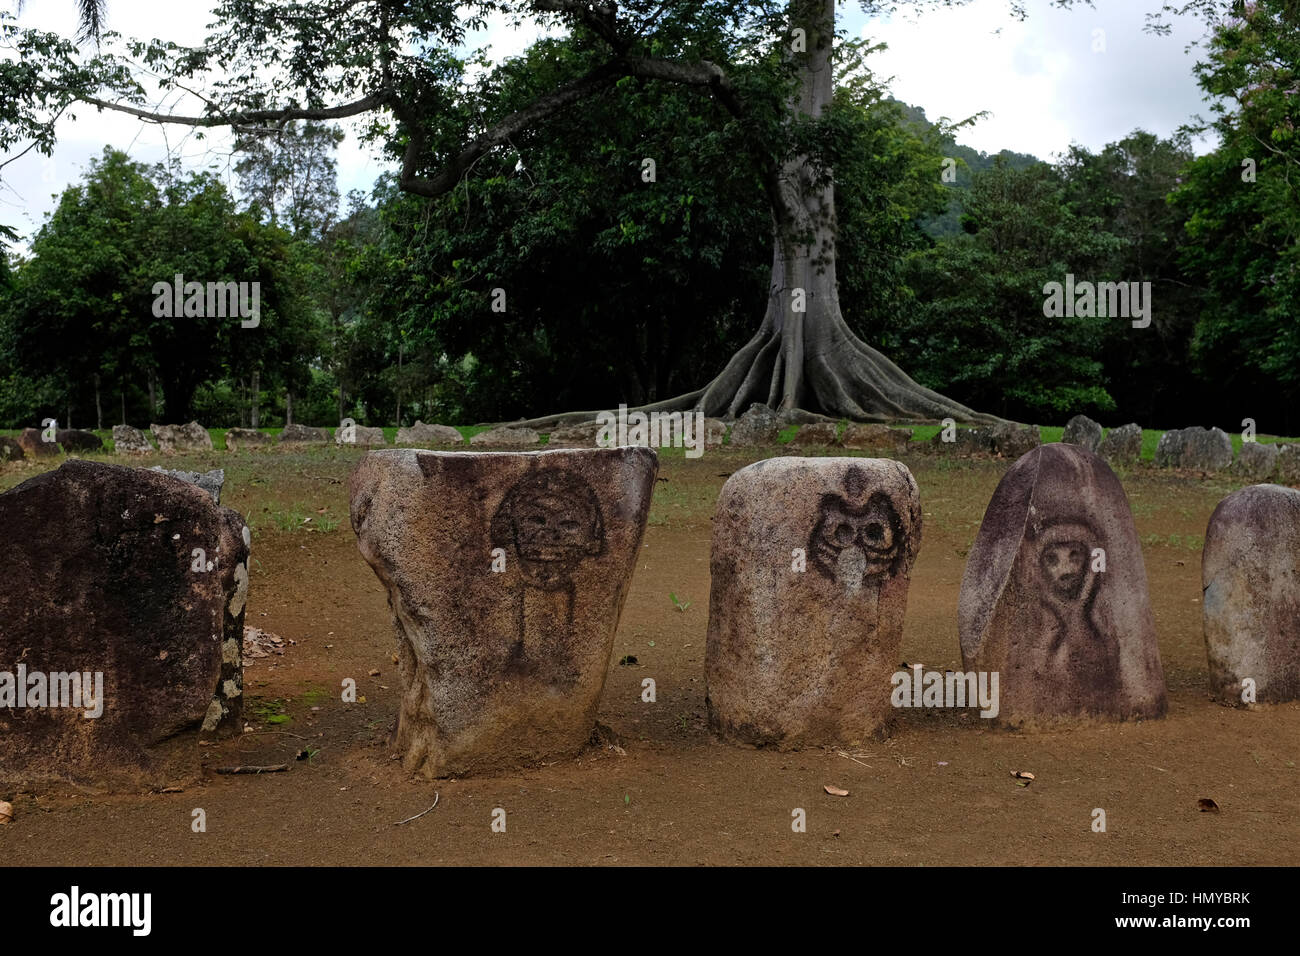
[[1054, 598], [506, 574], [880, 438], [209, 481], [810, 565], [1287, 470], [819, 435], [10, 450], [76, 439], [1122, 445], [1256, 461], [174, 438], [130, 441], [715, 430], [1195, 448], [297, 434], [424, 434], [1252, 595], [759, 425], [128, 574], [1083, 431], [1010, 440], [359, 435], [247, 438], [506, 436], [32, 441], [578, 435]]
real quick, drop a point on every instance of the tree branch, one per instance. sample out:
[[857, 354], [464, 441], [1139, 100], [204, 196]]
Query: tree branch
[[250, 117]]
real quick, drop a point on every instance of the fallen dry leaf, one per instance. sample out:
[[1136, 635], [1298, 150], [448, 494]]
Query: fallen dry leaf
[[1023, 775], [835, 791], [1206, 805], [6, 813]]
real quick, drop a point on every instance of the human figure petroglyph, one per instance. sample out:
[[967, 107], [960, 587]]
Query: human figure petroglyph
[[855, 540]]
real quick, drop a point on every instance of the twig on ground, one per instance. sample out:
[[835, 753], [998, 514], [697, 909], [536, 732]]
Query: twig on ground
[[273, 768], [436, 797]]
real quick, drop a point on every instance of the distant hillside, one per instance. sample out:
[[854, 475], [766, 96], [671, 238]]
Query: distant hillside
[[949, 223]]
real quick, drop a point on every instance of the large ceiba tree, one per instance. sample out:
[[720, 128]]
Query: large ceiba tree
[[272, 63]]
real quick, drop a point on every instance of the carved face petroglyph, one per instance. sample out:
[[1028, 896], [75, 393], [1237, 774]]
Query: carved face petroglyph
[[853, 539], [552, 521], [1064, 561]]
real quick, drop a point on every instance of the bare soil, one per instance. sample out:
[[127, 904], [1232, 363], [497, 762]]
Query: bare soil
[[937, 790]]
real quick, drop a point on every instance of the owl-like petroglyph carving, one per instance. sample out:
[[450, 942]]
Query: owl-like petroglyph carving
[[856, 537], [552, 521]]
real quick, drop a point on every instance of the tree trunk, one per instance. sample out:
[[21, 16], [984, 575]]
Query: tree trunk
[[153, 397], [124, 406], [288, 406], [804, 358], [253, 411], [99, 409]]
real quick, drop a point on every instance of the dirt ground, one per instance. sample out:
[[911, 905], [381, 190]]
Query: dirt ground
[[937, 791]]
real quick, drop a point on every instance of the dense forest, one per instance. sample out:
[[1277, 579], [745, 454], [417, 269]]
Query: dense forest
[[618, 255]]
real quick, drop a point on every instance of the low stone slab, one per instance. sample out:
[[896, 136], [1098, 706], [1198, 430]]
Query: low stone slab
[[507, 436], [296, 434], [1288, 464], [819, 435], [1083, 431], [1251, 605], [506, 574], [423, 434], [137, 583], [880, 438], [181, 438], [359, 435], [1195, 448], [810, 564], [32, 442], [10, 450], [76, 439], [247, 438], [578, 435], [209, 481], [1256, 461], [1122, 445], [1054, 598], [130, 441], [1010, 440], [759, 425], [966, 442]]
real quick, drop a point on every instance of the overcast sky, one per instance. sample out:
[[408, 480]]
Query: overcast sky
[[1041, 80]]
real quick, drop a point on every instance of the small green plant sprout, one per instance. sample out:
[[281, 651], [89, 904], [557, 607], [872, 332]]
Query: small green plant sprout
[[680, 605]]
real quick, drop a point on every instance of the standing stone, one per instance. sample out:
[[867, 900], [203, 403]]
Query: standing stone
[[209, 481], [1083, 431], [506, 574], [32, 442], [76, 439], [174, 438], [1123, 445], [810, 564], [1250, 570], [1288, 464], [138, 577], [506, 436], [1256, 461], [819, 435], [880, 438], [246, 438], [1067, 638], [1195, 448], [296, 434], [1010, 440], [130, 441], [10, 450], [715, 430], [757, 426], [422, 434]]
